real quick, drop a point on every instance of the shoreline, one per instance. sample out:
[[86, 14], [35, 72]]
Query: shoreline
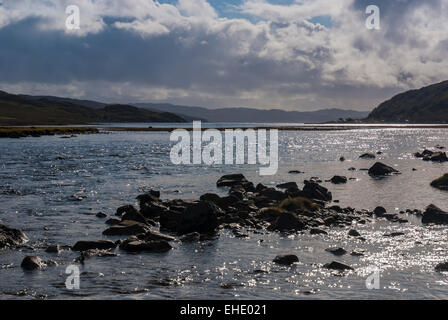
[[22, 132]]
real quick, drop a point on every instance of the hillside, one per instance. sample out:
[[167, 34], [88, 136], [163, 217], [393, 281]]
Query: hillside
[[425, 105], [25, 110], [256, 115]]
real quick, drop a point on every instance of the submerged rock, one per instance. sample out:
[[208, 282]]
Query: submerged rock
[[287, 221], [441, 183], [11, 237], [380, 169], [146, 246], [367, 156], [313, 190], [336, 251], [435, 215], [288, 259], [339, 179], [336, 265], [126, 228], [84, 245], [379, 211], [441, 267], [354, 233], [125, 209], [32, 263], [231, 179], [288, 185]]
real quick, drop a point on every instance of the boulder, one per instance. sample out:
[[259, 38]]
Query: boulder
[[441, 183], [313, 190], [212, 197], [287, 221], [169, 220], [442, 267], [87, 245], [288, 259], [201, 217], [339, 179], [380, 169], [367, 156], [155, 236], [354, 233], [53, 249], [336, 265], [11, 237], [152, 210], [438, 157], [288, 185], [126, 228], [435, 215], [379, 211], [32, 263], [336, 251], [112, 221], [101, 215], [231, 179], [125, 209], [146, 246], [318, 231], [134, 216]]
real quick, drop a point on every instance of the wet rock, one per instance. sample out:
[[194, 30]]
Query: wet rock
[[32, 263], [125, 209], [380, 169], [231, 179], [295, 172], [212, 197], [336, 251], [288, 185], [367, 156], [126, 228], [152, 210], [339, 179], [315, 191], [379, 211], [357, 252], [342, 159], [354, 233], [134, 216], [191, 237], [150, 196], [352, 169], [394, 234], [273, 194], [113, 221], [287, 221], [201, 217], [146, 246], [438, 146], [94, 253], [87, 245], [442, 267], [438, 157], [101, 215], [11, 237], [441, 183], [155, 236], [53, 249], [435, 215], [318, 231], [288, 259], [336, 265], [169, 220]]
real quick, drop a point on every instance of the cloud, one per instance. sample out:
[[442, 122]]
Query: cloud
[[143, 50]]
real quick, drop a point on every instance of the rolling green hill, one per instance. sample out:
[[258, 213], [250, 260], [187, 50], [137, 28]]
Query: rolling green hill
[[425, 105], [23, 110]]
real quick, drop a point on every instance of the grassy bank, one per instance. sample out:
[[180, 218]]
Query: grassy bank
[[20, 132]]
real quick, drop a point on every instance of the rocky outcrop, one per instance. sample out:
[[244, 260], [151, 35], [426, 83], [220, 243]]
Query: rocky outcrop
[[380, 169], [313, 190], [11, 237], [126, 228], [441, 183], [435, 215], [336, 265], [287, 260], [339, 179], [201, 217], [231, 180], [32, 263]]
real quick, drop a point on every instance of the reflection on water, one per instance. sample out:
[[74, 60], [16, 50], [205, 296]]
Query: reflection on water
[[52, 188]]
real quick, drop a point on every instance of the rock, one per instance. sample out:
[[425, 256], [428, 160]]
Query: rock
[[155, 236], [134, 216], [353, 233], [438, 146], [125, 209], [379, 211], [438, 157], [295, 172], [191, 237], [231, 179], [101, 215], [339, 179], [367, 156], [11, 237], [288, 259], [113, 221], [87, 245], [201, 217], [357, 252], [435, 215], [149, 246], [441, 183], [342, 159], [212, 197], [53, 249], [394, 234], [336, 251], [288, 185], [169, 220], [152, 210], [318, 231], [313, 190], [441, 267], [287, 221], [352, 169], [380, 169], [32, 263], [336, 265], [126, 228], [273, 194], [150, 196]]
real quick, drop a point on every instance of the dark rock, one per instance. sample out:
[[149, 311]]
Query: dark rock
[[113, 221], [352, 169], [155, 236], [336, 265], [339, 179], [11, 237], [288, 259], [394, 234], [288, 185], [367, 156], [353, 233], [318, 231], [191, 237], [125, 209], [379, 211], [126, 228], [212, 197], [231, 179], [287, 221], [169, 220], [441, 183], [142, 246], [32, 263], [435, 215], [134, 216], [53, 249], [438, 157], [341, 159], [336, 251], [100, 244], [295, 172], [380, 169], [201, 217], [315, 191], [101, 215], [152, 210], [442, 267], [273, 194]]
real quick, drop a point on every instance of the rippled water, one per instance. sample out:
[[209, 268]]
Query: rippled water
[[52, 188]]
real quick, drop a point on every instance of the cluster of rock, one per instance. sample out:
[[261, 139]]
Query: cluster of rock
[[434, 156]]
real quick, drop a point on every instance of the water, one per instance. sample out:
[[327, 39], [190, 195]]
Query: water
[[52, 188]]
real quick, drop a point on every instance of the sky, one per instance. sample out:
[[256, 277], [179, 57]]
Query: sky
[[292, 54]]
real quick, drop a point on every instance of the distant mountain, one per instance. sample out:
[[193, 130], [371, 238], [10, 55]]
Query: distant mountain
[[425, 105], [26, 110], [255, 115]]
